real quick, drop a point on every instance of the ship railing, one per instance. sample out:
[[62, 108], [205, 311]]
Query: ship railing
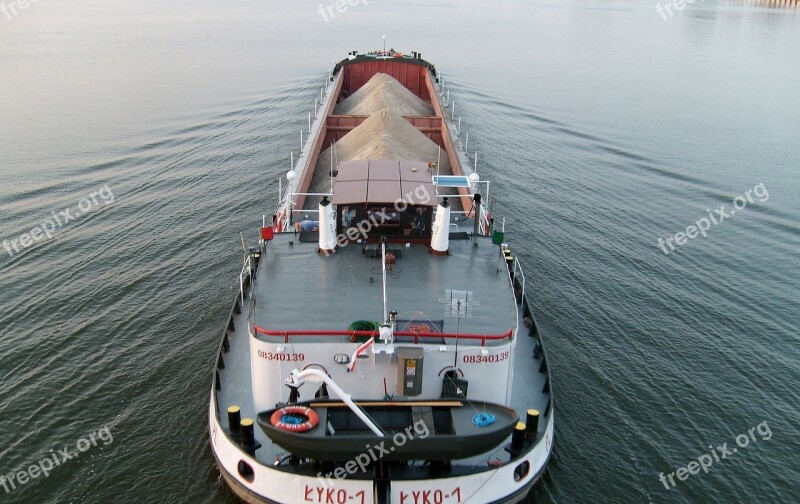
[[283, 207], [286, 196], [417, 335], [518, 273], [246, 272], [483, 225]]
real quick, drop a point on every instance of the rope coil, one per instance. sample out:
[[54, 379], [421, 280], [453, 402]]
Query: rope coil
[[483, 419]]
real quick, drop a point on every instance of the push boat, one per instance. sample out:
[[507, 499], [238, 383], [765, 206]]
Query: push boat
[[381, 348]]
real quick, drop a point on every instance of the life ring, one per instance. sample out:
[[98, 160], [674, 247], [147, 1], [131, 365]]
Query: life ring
[[312, 419]]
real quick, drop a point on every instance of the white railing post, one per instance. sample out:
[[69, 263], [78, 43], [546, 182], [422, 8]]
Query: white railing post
[[245, 268]]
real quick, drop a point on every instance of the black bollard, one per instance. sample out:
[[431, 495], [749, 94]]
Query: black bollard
[[248, 434], [532, 424], [518, 437], [234, 417]]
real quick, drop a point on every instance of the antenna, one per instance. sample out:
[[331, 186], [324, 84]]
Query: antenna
[[458, 304]]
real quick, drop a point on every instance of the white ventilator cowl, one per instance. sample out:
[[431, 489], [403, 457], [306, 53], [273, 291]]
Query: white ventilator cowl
[[440, 237], [327, 226]]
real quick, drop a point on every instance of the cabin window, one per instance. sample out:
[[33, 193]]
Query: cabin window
[[384, 220], [417, 221], [348, 217]]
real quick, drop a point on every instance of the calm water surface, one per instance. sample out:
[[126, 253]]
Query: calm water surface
[[602, 126]]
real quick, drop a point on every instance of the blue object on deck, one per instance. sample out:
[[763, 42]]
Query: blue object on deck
[[308, 225], [483, 419]]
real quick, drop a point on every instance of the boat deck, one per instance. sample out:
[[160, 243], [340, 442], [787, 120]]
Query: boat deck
[[299, 289], [529, 388]]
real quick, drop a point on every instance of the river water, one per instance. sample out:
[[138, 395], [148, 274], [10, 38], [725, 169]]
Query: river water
[[163, 127]]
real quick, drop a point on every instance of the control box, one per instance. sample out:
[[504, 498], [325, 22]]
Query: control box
[[409, 371]]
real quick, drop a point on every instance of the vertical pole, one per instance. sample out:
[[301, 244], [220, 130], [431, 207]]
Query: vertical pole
[[466, 142], [438, 159], [448, 96], [459, 125], [383, 261], [315, 107], [475, 164], [453, 110]]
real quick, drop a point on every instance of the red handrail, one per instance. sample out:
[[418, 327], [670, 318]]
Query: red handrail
[[353, 334]]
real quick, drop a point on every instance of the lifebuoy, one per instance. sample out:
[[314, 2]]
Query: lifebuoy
[[312, 419]]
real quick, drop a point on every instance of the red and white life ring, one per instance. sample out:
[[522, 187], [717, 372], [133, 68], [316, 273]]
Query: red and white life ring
[[310, 423]]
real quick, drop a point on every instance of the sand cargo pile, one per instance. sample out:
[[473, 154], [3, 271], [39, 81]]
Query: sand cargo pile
[[383, 135], [380, 92]]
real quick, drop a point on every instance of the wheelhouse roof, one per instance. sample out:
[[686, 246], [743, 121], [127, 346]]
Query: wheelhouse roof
[[384, 181]]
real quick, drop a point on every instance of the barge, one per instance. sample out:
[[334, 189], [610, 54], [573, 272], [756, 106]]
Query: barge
[[381, 348]]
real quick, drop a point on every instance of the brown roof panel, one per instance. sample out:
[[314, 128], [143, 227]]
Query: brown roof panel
[[350, 192], [383, 191], [418, 193], [353, 170], [414, 171], [384, 169]]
